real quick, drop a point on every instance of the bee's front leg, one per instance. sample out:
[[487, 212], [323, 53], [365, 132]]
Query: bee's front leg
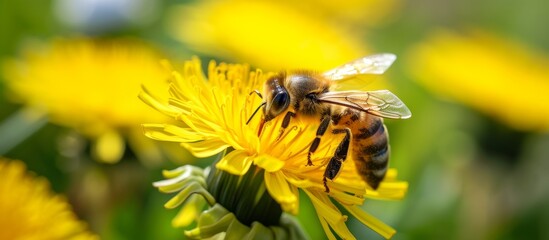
[[319, 132], [285, 123]]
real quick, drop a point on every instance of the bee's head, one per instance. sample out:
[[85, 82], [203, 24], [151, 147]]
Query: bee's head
[[277, 98]]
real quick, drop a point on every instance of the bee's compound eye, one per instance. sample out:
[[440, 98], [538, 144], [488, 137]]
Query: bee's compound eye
[[280, 102]]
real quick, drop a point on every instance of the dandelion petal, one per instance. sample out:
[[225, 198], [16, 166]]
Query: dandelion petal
[[372, 222], [164, 132], [269, 163], [279, 188], [236, 162], [205, 148]]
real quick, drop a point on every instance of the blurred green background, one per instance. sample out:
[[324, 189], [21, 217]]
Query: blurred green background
[[476, 163]]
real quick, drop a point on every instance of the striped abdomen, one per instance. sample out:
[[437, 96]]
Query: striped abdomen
[[369, 147]]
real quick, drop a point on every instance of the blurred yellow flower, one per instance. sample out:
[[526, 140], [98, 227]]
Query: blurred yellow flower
[[89, 85], [269, 34], [350, 14], [502, 78], [29, 210], [213, 111]]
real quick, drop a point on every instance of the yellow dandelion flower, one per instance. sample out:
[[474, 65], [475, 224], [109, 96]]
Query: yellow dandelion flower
[[89, 85], [267, 33], [29, 210], [213, 110], [501, 78], [350, 14]]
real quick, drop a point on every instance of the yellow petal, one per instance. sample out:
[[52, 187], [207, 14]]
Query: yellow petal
[[165, 132], [341, 229], [269, 163], [205, 148], [236, 162], [152, 101], [280, 189], [346, 198], [326, 228], [389, 191], [325, 207], [391, 175], [375, 224], [327, 211]]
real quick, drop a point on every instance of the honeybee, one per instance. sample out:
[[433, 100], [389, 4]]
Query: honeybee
[[357, 114]]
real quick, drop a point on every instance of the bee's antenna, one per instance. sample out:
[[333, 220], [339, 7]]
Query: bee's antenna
[[256, 92], [253, 114]]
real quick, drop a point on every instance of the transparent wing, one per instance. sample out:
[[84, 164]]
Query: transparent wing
[[373, 64], [381, 103]]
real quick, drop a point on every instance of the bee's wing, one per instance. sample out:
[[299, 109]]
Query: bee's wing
[[373, 64], [381, 103]]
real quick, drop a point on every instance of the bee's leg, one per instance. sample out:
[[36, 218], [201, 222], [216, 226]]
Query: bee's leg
[[285, 123], [319, 132], [339, 157]]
